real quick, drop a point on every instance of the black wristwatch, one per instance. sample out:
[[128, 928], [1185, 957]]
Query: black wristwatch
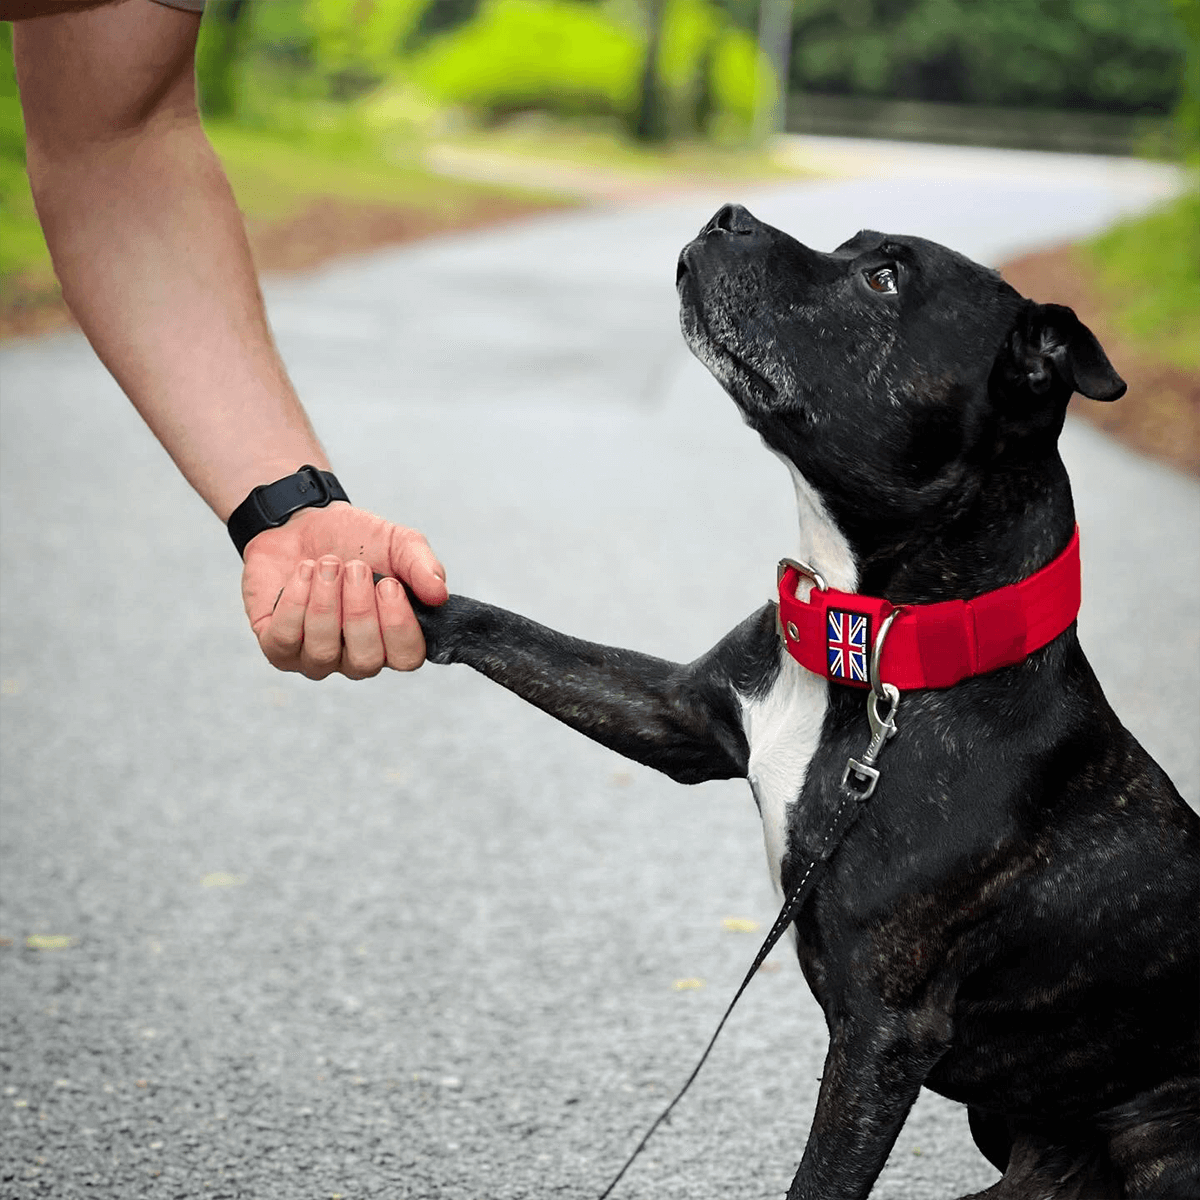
[[270, 505]]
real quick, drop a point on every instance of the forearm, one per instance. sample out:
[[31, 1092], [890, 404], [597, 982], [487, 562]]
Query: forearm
[[680, 719], [152, 255]]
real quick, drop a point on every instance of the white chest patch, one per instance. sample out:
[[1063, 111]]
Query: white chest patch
[[783, 727]]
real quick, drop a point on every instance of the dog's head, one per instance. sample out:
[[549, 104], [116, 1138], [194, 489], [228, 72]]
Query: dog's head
[[894, 374]]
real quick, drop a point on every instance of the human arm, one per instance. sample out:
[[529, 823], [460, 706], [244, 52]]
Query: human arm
[[152, 255]]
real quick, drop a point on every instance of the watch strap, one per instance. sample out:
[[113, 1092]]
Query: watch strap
[[269, 505]]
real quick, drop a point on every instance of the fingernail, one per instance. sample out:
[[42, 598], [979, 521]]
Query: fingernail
[[329, 569], [306, 570], [357, 572], [389, 589]]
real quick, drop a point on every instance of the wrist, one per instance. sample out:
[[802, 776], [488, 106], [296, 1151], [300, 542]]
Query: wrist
[[237, 480], [269, 506]]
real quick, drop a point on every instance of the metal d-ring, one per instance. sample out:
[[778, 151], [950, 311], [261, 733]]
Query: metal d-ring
[[877, 685], [804, 569]]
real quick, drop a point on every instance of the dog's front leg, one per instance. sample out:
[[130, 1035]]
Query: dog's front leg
[[684, 720], [873, 1073]]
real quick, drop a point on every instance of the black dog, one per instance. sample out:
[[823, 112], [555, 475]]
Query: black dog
[[1011, 921]]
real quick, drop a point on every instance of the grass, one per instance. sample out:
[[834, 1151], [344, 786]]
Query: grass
[[1148, 269], [602, 146], [274, 177]]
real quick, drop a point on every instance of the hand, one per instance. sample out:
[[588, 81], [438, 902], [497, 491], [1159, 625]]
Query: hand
[[311, 603]]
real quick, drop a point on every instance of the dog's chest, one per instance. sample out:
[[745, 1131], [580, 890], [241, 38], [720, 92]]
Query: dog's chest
[[783, 729], [783, 725]]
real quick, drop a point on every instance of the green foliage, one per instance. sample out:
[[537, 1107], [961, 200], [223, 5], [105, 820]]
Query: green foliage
[[1150, 267], [555, 55], [741, 79], [358, 45], [1187, 109], [21, 241], [12, 126], [217, 52], [713, 72], [1109, 55], [280, 37], [300, 67], [573, 59], [299, 50], [690, 27]]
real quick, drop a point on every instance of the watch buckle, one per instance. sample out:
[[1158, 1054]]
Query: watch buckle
[[316, 480]]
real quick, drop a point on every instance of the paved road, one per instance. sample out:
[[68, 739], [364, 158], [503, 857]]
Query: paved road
[[410, 938]]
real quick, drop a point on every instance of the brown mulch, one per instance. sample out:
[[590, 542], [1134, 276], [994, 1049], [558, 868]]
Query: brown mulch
[[330, 228], [30, 309], [1160, 414]]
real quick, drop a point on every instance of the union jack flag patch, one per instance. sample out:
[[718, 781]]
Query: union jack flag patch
[[849, 643]]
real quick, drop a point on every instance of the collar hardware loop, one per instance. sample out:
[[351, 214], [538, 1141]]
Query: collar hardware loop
[[801, 568]]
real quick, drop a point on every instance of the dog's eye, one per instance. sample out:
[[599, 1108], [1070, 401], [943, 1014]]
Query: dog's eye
[[883, 279]]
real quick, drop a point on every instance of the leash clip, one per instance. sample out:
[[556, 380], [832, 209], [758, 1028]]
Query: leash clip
[[883, 729], [865, 774]]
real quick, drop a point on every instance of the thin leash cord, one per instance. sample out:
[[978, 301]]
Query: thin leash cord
[[790, 911]]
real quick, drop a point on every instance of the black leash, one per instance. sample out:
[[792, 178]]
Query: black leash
[[849, 807]]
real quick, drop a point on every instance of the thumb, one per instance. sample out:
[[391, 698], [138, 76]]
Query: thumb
[[413, 561]]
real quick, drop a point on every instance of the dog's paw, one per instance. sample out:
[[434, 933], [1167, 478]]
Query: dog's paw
[[438, 624]]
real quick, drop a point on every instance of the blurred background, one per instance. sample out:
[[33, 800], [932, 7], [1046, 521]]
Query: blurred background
[[346, 126]]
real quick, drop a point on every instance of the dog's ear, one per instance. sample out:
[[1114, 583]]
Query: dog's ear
[[1050, 344]]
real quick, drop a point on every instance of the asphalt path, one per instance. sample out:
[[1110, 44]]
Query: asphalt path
[[410, 938]]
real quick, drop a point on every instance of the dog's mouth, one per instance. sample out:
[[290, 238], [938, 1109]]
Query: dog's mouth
[[742, 381], [728, 365]]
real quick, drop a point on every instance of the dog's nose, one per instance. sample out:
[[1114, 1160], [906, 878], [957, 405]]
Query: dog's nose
[[731, 218]]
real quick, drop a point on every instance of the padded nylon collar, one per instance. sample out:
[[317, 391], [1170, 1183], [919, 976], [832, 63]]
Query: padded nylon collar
[[928, 645]]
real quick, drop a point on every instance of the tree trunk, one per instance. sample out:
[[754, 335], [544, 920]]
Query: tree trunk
[[650, 122]]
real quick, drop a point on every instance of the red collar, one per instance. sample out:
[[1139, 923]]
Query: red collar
[[927, 645]]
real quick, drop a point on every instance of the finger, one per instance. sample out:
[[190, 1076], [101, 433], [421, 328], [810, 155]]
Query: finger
[[403, 641], [283, 634], [362, 653], [415, 562], [322, 649]]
